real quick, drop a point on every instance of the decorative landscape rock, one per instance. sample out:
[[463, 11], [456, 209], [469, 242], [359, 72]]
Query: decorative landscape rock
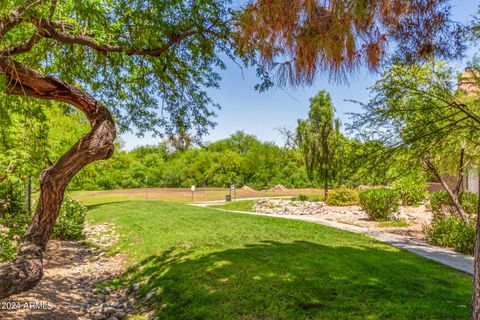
[[118, 304], [135, 286], [289, 207], [98, 316], [415, 218], [102, 235]]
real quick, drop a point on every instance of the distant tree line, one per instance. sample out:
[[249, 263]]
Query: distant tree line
[[240, 159]]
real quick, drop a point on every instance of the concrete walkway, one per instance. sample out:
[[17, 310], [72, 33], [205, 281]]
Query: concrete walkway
[[444, 256]]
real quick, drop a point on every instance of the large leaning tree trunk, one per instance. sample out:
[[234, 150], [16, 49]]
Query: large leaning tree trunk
[[27, 269]]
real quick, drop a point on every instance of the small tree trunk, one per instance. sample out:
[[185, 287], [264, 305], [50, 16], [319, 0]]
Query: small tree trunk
[[476, 268], [325, 183], [27, 268], [452, 195], [461, 173]]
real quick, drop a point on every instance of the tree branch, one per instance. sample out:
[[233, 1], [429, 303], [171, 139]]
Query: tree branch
[[23, 47], [51, 31], [15, 17], [25, 81]]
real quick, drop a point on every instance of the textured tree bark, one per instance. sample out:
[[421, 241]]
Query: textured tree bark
[[27, 269], [476, 267]]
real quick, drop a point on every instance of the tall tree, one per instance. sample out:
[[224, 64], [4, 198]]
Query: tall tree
[[319, 139], [417, 109], [127, 53]]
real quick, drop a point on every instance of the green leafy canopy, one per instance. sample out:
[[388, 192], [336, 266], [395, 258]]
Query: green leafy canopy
[[159, 91]]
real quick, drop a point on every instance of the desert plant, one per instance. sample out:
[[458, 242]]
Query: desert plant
[[342, 197], [451, 231], [379, 203]]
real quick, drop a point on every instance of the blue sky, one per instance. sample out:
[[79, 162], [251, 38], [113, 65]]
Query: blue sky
[[260, 114]]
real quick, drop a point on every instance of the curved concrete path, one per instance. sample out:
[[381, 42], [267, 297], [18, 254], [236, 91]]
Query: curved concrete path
[[444, 256]]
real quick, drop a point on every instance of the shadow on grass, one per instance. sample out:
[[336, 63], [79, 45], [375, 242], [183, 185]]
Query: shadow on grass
[[299, 280], [99, 205]]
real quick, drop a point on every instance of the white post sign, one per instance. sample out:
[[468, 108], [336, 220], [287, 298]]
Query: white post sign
[[193, 190]]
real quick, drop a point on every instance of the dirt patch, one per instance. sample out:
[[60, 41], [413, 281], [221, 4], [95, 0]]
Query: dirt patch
[[278, 188], [71, 271], [183, 195], [247, 188]]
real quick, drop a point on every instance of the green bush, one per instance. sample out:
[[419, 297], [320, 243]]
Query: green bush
[[451, 231], [12, 229], [411, 189], [342, 197], [13, 219], [442, 205], [12, 195], [379, 203], [70, 223], [69, 226], [300, 197]]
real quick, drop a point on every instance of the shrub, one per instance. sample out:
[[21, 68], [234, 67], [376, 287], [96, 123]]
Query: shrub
[[469, 202], [442, 205], [12, 228], [71, 221], [12, 196], [69, 226], [342, 197], [303, 197], [300, 197], [379, 203], [451, 231], [411, 190]]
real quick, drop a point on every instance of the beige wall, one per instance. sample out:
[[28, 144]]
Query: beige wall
[[470, 183]]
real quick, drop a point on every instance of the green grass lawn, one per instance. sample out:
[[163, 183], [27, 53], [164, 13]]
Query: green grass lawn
[[208, 264], [240, 205]]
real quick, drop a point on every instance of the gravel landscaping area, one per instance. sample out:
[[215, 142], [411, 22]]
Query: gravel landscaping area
[[67, 290], [408, 222]]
